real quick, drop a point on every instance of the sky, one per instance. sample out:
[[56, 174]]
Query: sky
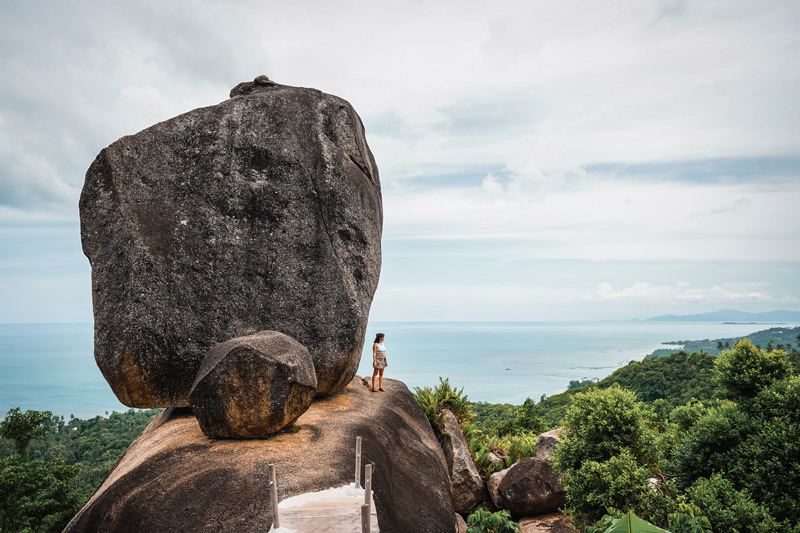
[[539, 160]]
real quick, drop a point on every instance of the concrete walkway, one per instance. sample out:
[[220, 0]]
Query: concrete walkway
[[336, 510]]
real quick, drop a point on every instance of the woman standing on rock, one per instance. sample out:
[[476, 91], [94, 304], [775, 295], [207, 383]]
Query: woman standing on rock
[[378, 361]]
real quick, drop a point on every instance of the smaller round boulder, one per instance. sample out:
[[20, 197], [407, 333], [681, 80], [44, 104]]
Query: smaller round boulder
[[530, 487], [251, 387]]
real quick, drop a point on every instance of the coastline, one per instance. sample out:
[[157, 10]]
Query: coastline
[[51, 366]]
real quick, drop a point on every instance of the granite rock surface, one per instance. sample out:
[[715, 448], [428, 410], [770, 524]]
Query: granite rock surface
[[530, 487], [263, 212], [547, 443], [174, 478], [466, 482], [251, 387]]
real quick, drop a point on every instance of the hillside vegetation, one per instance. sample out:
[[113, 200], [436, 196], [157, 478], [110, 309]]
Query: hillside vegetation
[[719, 435], [769, 339], [50, 467]]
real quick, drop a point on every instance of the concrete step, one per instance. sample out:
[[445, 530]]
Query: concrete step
[[336, 510]]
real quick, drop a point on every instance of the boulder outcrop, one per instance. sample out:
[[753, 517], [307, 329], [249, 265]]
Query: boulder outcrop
[[461, 524], [263, 212], [466, 482], [530, 487], [253, 386], [492, 486], [174, 478], [547, 442]]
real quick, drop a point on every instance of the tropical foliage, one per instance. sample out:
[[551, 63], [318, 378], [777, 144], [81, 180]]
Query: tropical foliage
[[49, 467], [482, 521], [689, 442], [731, 464]]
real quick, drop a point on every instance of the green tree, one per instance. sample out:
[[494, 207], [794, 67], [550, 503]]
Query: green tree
[[730, 510], [621, 482], [36, 496], [600, 424], [754, 444], [606, 453], [746, 370], [708, 445], [22, 428], [528, 417]]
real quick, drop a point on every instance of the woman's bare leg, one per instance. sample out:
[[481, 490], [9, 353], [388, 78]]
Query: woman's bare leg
[[380, 380], [375, 373]]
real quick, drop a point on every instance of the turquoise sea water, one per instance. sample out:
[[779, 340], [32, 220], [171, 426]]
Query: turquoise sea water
[[51, 366]]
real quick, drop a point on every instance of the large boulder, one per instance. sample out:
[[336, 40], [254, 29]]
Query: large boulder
[[253, 386], [260, 213], [547, 443], [467, 483], [174, 478], [530, 487]]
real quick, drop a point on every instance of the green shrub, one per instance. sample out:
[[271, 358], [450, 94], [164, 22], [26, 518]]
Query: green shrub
[[747, 370], [607, 454], [441, 397], [709, 445], [730, 510], [599, 425], [687, 523], [21, 428], [686, 416], [620, 482], [606, 522], [482, 521], [494, 467], [37, 495], [517, 446]]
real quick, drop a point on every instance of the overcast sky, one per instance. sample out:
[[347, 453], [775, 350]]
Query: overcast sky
[[539, 160]]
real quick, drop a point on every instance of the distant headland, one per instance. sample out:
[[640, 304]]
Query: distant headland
[[734, 316]]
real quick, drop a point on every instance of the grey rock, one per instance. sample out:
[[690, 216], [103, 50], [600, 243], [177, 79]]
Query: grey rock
[[263, 212], [547, 442], [493, 484], [530, 487], [467, 484], [174, 478], [246, 87], [494, 458], [461, 524], [251, 387]]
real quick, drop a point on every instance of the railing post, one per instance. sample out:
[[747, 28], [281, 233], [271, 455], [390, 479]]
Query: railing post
[[358, 462], [368, 485], [273, 492], [365, 518]]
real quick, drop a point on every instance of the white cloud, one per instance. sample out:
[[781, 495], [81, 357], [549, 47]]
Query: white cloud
[[609, 219], [520, 98], [682, 292]]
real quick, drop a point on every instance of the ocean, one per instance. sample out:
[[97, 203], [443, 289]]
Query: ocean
[[51, 366]]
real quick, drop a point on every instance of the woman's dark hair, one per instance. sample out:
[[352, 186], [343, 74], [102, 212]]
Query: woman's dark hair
[[378, 337]]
